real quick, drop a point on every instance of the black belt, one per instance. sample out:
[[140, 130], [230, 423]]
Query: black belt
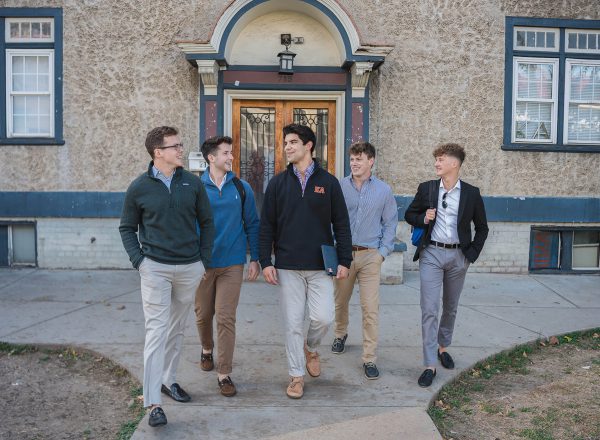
[[359, 248], [444, 245]]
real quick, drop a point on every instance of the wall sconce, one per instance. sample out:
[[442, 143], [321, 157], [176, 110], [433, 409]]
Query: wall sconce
[[286, 58]]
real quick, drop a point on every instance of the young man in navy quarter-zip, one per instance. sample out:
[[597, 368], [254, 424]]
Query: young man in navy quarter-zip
[[445, 208], [159, 231], [301, 207], [236, 223]]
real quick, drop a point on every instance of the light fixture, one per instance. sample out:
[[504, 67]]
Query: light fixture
[[286, 58]]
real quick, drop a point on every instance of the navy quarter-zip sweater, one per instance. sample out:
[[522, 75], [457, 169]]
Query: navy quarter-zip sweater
[[296, 225], [165, 220]]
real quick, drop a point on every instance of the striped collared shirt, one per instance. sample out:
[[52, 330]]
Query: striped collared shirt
[[307, 174], [373, 214], [164, 179]]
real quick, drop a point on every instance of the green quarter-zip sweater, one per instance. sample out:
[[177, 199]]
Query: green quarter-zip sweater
[[160, 223]]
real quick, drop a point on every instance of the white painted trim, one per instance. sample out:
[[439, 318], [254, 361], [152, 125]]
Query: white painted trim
[[293, 95], [555, 31], [554, 101], [10, 53], [568, 64], [581, 31], [9, 39]]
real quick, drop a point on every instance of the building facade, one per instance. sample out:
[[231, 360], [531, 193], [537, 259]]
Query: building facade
[[517, 83]]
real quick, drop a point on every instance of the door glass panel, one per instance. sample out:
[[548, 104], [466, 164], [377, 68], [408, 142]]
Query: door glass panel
[[257, 149], [318, 120]]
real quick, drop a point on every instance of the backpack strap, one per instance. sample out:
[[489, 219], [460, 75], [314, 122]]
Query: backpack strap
[[242, 191]]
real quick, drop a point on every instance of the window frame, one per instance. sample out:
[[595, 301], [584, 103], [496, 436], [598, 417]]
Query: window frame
[[561, 25], [579, 51], [10, 53], [9, 39], [554, 100], [56, 14], [564, 248], [536, 29], [569, 62]]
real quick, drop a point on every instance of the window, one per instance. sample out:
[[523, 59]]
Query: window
[[31, 76], [564, 249], [17, 244], [552, 85]]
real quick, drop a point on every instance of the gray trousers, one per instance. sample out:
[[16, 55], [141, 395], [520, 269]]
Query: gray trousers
[[445, 270], [167, 296], [299, 288]]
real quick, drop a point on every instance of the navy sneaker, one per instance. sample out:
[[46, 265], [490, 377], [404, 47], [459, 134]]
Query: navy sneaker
[[339, 345], [371, 371]]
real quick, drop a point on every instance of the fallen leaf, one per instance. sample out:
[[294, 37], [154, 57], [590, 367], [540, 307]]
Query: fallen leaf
[[439, 403], [542, 343], [587, 367], [554, 340], [524, 354], [475, 373], [596, 336]]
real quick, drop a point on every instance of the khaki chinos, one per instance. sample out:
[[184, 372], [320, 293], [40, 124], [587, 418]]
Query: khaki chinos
[[219, 293], [366, 266]]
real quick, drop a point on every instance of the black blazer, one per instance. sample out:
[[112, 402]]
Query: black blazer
[[470, 209]]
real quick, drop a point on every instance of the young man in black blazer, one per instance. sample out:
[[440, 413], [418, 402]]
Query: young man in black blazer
[[445, 208]]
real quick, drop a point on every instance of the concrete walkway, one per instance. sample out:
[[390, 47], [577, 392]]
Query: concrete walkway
[[85, 308]]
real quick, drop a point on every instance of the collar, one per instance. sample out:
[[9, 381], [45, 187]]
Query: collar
[[456, 186]]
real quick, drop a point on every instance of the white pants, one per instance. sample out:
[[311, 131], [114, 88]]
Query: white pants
[[167, 295], [299, 288]]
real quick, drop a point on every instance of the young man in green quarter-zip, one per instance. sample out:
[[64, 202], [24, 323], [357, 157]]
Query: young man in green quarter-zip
[[159, 231]]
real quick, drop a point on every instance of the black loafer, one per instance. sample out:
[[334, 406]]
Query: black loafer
[[339, 345], [371, 371], [446, 360], [176, 393], [426, 378], [157, 417]]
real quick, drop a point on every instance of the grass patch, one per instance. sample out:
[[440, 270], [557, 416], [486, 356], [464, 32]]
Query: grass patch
[[15, 349], [455, 399], [136, 411]]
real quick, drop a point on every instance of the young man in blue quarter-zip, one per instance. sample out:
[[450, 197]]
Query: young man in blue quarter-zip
[[236, 223], [302, 206], [158, 227]]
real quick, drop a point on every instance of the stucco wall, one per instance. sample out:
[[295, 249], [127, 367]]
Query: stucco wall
[[123, 74]]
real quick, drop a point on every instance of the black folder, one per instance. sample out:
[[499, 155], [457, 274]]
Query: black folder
[[330, 259]]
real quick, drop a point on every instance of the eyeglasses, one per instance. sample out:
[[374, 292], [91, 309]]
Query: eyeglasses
[[176, 146], [444, 203]]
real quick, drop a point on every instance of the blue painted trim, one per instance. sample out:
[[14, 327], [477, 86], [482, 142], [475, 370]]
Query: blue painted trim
[[348, 123], [532, 209], [571, 148], [109, 204], [366, 112], [278, 86], [552, 22], [61, 204], [201, 115], [561, 55], [220, 104], [57, 45], [297, 69]]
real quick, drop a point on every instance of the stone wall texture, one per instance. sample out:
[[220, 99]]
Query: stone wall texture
[[444, 81]]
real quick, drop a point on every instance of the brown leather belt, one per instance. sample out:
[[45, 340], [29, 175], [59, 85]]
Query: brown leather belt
[[444, 245], [359, 248]]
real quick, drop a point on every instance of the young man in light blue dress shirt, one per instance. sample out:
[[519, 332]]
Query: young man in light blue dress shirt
[[373, 219]]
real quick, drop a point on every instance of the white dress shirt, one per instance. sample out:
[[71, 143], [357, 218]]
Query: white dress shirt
[[445, 229]]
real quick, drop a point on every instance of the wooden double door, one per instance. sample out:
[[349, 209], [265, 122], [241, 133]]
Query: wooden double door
[[258, 137]]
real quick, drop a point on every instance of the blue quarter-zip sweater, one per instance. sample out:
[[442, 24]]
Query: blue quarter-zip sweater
[[232, 235]]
